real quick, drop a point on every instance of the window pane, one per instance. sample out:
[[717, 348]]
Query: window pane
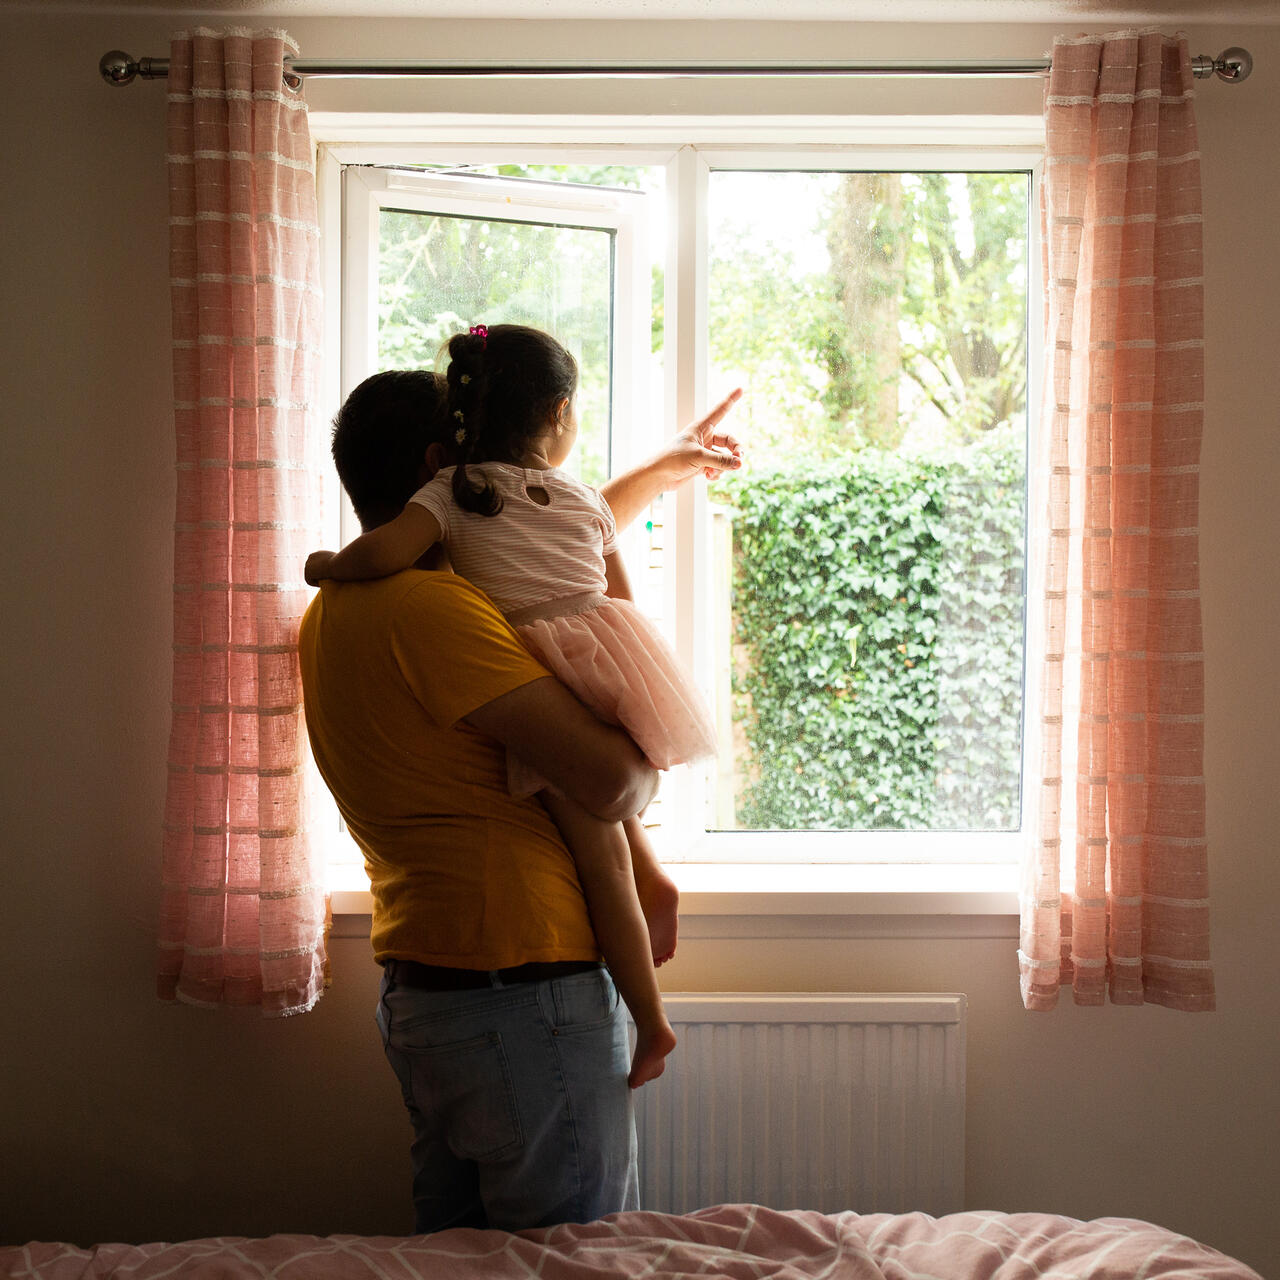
[[871, 583], [439, 274]]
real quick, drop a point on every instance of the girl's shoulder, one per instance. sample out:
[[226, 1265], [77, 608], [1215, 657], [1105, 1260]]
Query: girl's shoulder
[[512, 481], [436, 492], [570, 483], [441, 483], [509, 477], [441, 480]]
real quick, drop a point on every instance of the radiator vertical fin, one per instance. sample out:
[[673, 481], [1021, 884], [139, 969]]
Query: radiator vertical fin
[[808, 1101]]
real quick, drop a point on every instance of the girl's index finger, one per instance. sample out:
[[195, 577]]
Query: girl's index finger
[[725, 405], [711, 418]]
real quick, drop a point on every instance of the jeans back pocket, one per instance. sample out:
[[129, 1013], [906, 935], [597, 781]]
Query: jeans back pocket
[[467, 1086], [582, 1002]]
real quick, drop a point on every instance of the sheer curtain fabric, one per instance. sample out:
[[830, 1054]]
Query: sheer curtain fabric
[[1121, 785], [243, 909]]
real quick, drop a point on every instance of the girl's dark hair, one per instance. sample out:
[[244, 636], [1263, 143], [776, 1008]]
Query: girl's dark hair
[[504, 386]]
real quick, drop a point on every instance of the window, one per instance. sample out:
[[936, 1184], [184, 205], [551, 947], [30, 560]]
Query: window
[[854, 605]]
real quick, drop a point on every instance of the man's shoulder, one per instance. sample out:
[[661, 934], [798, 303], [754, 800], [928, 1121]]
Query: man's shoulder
[[439, 594], [415, 603], [452, 646], [445, 606], [428, 625], [412, 589], [437, 612]]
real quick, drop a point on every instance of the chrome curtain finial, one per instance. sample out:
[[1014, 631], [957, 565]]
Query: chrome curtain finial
[[1231, 65], [118, 67]]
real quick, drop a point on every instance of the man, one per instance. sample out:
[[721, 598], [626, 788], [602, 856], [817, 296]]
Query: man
[[503, 1028]]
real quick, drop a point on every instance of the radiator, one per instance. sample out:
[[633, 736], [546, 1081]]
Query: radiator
[[808, 1101]]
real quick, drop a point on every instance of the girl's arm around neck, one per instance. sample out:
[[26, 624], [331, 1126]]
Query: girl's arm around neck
[[390, 547]]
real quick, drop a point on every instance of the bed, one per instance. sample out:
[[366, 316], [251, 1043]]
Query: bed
[[733, 1242]]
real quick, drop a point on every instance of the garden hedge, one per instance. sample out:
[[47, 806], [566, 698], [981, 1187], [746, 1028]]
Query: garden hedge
[[878, 622]]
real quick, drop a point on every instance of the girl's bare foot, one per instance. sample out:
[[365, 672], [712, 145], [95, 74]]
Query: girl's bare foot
[[660, 902], [648, 1060]]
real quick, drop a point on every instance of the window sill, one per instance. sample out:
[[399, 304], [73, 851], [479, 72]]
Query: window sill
[[899, 892], [882, 889]]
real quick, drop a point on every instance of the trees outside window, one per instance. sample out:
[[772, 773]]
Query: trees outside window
[[880, 320], [875, 572]]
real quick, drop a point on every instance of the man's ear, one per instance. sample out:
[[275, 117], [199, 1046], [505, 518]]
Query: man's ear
[[436, 456]]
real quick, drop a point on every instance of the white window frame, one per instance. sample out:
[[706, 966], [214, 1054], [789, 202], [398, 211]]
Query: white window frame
[[367, 190], [742, 874]]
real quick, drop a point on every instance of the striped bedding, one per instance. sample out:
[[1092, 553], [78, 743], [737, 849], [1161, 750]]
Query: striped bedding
[[734, 1242]]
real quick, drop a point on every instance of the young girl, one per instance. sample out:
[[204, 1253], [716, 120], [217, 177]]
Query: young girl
[[542, 546]]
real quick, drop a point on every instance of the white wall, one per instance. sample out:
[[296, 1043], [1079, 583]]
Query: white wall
[[121, 1118]]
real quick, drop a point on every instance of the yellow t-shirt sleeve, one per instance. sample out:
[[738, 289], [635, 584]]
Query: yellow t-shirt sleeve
[[456, 651]]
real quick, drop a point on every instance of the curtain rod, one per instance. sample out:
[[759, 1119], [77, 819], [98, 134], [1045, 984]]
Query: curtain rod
[[1232, 65]]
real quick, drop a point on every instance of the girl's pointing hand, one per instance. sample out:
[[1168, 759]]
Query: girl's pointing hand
[[703, 446]]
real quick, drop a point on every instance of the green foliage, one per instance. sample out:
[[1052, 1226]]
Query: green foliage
[[768, 322], [439, 274], [964, 296], [878, 608], [910, 330]]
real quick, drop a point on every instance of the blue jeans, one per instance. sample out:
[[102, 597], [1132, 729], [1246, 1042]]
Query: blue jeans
[[519, 1101]]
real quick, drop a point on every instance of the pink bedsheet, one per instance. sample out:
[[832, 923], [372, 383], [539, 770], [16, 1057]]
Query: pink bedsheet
[[736, 1242]]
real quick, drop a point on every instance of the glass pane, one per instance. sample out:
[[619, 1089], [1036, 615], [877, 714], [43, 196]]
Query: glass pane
[[439, 274], [871, 580]]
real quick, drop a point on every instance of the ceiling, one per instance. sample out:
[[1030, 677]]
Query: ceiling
[[1092, 12]]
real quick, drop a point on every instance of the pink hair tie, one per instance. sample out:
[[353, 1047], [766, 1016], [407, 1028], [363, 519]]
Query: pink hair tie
[[481, 331]]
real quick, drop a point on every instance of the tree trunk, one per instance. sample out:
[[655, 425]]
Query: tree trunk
[[867, 257]]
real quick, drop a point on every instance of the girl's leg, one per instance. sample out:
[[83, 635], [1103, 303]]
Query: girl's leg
[[604, 869], [659, 897]]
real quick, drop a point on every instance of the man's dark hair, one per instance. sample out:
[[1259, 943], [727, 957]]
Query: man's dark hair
[[380, 437]]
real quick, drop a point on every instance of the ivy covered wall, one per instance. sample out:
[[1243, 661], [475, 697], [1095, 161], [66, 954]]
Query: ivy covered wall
[[878, 615]]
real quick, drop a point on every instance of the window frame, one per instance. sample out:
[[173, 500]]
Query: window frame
[[367, 190], [898, 874]]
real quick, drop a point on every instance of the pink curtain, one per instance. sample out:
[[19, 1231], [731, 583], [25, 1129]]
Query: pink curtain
[[1121, 786], [243, 911]]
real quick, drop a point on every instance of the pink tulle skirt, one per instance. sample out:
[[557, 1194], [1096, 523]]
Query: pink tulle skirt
[[618, 663]]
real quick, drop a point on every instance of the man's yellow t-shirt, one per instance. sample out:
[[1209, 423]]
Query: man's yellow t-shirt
[[462, 873]]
